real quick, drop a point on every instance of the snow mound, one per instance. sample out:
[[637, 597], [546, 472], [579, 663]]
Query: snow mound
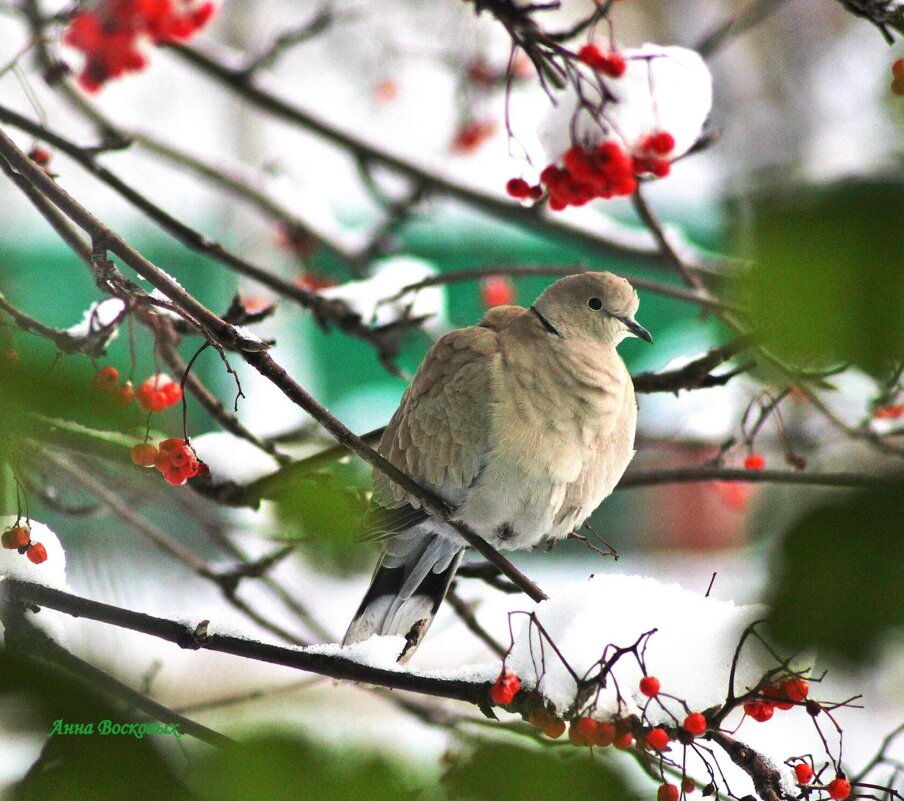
[[690, 650], [232, 459], [662, 89]]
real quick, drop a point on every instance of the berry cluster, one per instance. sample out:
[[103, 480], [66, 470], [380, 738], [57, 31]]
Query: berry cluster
[[505, 688], [611, 63], [18, 538], [158, 392], [604, 171], [110, 34], [175, 459], [777, 696]]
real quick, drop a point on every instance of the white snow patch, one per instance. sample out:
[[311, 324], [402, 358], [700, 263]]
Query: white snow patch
[[370, 298], [231, 458], [690, 652], [97, 317], [662, 89]]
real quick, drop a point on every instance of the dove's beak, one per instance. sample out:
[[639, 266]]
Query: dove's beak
[[636, 328]]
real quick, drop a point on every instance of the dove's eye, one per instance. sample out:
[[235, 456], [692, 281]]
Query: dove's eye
[[595, 303]]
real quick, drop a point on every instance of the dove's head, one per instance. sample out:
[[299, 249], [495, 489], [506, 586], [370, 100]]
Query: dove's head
[[598, 306]]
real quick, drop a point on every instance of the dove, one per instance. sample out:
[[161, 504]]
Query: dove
[[522, 424]]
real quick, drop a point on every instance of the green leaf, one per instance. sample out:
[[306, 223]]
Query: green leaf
[[838, 584], [499, 772], [324, 512], [827, 283]]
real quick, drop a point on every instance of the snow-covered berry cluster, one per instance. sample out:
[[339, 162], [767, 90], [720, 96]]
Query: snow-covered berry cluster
[[18, 538], [111, 34]]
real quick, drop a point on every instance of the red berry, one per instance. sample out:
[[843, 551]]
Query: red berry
[[472, 135], [605, 734], [591, 55], [839, 788], [586, 727], [555, 728], [796, 689], [657, 738], [688, 785], [662, 143], [125, 394], [777, 696], [576, 736], [518, 188], [667, 792], [891, 412], [144, 454], [650, 686], [497, 290], [803, 772], [203, 470], [897, 69], [106, 379], [39, 156], [695, 724], [15, 537], [505, 688], [614, 65], [755, 461], [760, 711], [37, 553], [623, 741]]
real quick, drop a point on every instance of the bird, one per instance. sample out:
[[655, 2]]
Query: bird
[[522, 424]]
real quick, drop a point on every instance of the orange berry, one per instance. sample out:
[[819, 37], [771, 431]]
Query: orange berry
[[125, 394], [106, 379], [803, 772], [15, 537], [605, 734], [897, 69], [144, 454], [623, 741], [555, 728]]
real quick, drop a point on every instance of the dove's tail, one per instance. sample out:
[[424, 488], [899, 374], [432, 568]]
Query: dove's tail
[[407, 588]]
